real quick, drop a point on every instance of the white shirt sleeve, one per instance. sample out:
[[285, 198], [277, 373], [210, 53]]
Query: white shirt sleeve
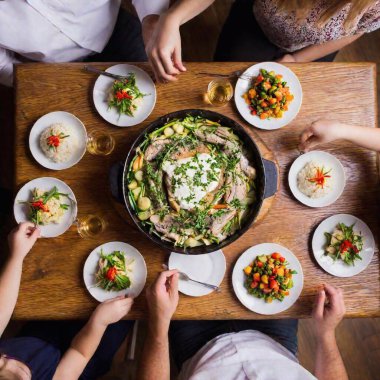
[[150, 7], [6, 67]]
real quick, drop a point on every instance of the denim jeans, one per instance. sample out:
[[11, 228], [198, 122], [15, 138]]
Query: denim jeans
[[187, 337]]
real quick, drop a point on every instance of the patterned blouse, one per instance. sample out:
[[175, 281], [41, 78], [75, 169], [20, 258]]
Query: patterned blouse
[[284, 31]]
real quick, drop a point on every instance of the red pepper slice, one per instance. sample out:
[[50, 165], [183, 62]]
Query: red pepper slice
[[111, 273]]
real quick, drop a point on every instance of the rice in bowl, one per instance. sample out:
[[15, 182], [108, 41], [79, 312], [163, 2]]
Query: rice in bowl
[[314, 180], [58, 142]]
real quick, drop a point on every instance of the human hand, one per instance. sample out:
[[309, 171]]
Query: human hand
[[22, 238], [162, 296], [287, 58], [164, 50], [112, 310], [328, 316], [321, 131]]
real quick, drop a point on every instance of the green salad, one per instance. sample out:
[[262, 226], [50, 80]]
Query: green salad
[[114, 271], [125, 96], [344, 244]]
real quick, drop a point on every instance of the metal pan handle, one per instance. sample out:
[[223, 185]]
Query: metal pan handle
[[271, 178], [115, 178]]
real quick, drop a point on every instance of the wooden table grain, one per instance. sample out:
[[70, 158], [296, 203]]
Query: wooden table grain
[[52, 284]]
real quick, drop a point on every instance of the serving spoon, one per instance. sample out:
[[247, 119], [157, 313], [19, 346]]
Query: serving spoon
[[187, 278]]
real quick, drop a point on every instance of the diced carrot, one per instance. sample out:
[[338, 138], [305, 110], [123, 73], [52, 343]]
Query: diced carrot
[[220, 206], [289, 97], [278, 95], [272, 100], [252, 93], [264, 116], [264, 104], [266, 86], [278, 76], [248, 270]]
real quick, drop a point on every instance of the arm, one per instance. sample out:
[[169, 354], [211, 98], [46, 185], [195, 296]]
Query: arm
[[328, 361], [314, 52], [162, 299], [324, 131], [87, 340], [21, 241], [6, 67], [164, 47]]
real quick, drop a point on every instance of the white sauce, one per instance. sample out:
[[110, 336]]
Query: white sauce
[[193, 179]]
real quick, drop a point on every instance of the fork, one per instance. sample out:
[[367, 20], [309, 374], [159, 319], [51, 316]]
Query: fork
[[187, 278], [235, 74]]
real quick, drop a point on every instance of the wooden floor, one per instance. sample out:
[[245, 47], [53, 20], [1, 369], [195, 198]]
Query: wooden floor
[[359, 339]]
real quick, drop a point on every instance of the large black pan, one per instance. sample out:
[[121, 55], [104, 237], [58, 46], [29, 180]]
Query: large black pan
[[266, 182]]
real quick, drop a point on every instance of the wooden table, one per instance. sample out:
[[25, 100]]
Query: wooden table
[[52, 285]]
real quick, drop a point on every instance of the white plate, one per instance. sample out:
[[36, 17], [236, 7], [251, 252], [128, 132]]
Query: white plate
[[258, 305], [339, 268], [21, 211], [294, 84], [103, 86], [138, 276], [338, 178], [44, 122], [209, 268]]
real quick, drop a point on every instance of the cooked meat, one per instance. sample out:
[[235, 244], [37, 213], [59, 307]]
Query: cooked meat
[[204, 134], [248, 170], [219, 222], [154, 149], [185, 152], [211, 195], [236, 186], [165, 226]]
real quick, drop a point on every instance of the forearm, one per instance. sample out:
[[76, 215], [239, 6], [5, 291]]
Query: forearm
[[314, 52], [184, 10], [328, 361], [365, 137], [9, 288], [81, 350], [156, 362]]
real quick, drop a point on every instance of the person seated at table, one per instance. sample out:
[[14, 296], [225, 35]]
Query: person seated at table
[[42, 350], [236, 349], [70, 30], [324, 131], [266, 30]]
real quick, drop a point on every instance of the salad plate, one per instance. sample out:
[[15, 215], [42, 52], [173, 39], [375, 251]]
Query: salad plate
[[291, 81], [213, 266], [332, 263], [77, 133], [22, 208], [135, 271], [260, 305], [104, 86], [336, 176]]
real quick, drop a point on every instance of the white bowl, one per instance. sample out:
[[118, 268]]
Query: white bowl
[[138, 276], [338, 267], [103, 86], [21, 211], [338, 178], [294, 84], [44, 122], [258, 305]]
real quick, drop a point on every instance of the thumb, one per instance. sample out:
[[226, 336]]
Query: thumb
[[35, 234], [319, 306], [310, 143], [177, 58]]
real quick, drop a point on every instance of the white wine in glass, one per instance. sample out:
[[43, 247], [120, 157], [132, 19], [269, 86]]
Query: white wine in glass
[[100, 143], [90, 226]]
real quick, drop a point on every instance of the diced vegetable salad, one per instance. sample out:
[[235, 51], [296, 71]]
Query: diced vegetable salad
[[268, 95], [344, 243], [268, 277]]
